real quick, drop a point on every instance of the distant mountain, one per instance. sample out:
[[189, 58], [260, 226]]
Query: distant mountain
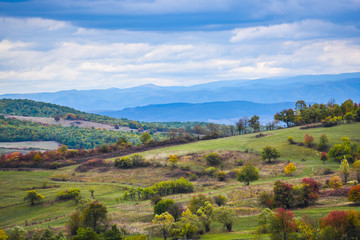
[[317, 88], [219, 112]]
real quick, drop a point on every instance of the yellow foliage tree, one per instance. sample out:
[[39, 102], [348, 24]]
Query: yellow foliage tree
[[356, 167], [164, 222], [173, 160], [290, 168], [3, 235]]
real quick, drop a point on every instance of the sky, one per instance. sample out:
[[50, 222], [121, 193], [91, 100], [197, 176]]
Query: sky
[[53, 45]]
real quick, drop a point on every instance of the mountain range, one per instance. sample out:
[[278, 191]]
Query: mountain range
[[187, 103]]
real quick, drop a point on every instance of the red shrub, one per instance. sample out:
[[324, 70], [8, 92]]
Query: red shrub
[[314, 185], [354, 194], [308, 139]]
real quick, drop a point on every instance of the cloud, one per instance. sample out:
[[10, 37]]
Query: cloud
[[46, 55], [306, 29]]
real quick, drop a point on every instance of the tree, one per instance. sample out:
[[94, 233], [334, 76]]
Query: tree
[[290, 168], [188, 226], [254, 123], [324, 157], [197, 202], [17, 233], [248, 173], [74, 223], [282, 225], [86, 234], [300, 105], [270, 153], [33, 196], [167, 205], [264, 219], [286, 116], [164, 222], [241, 125], [226, 216], [114, 234], [205, 214], [356, 168], [284, 195], [220, 200], [145, 138], [95, 216], [323, 142], [344, 169], [173, 159]]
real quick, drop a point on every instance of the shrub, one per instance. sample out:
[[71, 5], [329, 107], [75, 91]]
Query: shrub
[[221, 176], [188, 226], [132, 161], [95, 217], [291, 140], [290, 168], [85, 234], [72, 193], [168, 205], [335, 182], [17, 233], [220, 200], [266, 199], [213, 159], [197, 202], [323, 142], [164, 222], [193, 177], [284, 195], [354, 194], [211, 171], [248, 173], [345, 223], [173, 159], [308, 140]]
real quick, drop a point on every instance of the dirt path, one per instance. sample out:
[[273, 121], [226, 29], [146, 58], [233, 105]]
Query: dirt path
[[68, 123]]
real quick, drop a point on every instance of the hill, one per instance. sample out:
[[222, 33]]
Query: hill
[[224, 112], [274, 90], [109, 183]]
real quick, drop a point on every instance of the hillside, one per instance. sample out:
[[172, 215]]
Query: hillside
[[317, 88], [109, 183]]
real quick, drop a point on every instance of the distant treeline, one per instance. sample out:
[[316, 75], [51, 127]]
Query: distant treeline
[[329, 114]]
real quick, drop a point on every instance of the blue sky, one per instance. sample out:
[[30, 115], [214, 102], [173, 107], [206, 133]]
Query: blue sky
[[52, 45]]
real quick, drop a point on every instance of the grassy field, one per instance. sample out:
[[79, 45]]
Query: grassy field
[[137, 216]]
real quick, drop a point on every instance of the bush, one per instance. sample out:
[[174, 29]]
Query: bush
[[221, 176], [72, 193], [17, 233], [220, 200], [335, 182], [284, 195], [354, 194], [308, 140], [226, 216], [197, 202], [270, 153], [345, 223], [213, 159], [132, 161], [282, 224], [290, 168], [168, 205], [323, 143], [291, 140], [211, 171], [266, 199]]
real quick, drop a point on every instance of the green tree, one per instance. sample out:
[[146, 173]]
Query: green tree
[[198, 202], [33, 196], [113, 234], [248, 173], [345, 169], [95, 217], [17, 233], [205, 214], [226, 216], [164, 221], [270, 153], [74, 223], [86, 234], [286, 116], [145, 138], [254, 123], [188, 226], [167, 205]]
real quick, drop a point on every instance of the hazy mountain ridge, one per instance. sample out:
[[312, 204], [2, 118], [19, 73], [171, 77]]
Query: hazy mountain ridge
[[222, 112], [309, 88]]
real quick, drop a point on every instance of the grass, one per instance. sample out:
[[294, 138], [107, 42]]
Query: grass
[[137, 216]]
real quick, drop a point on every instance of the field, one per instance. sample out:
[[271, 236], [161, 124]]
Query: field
[[27, 146], [110, 183]]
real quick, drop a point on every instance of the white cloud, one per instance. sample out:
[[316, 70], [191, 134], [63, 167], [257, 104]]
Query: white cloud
[[46, 55]]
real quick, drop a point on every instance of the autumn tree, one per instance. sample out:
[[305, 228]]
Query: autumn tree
[[290, 168], [324, 157], [270, 153], [248, 173], [3, 235], [33, 196], [205, 214], [173, 159], [188, 226], [308, 140], [164, 222], [282, 225]]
